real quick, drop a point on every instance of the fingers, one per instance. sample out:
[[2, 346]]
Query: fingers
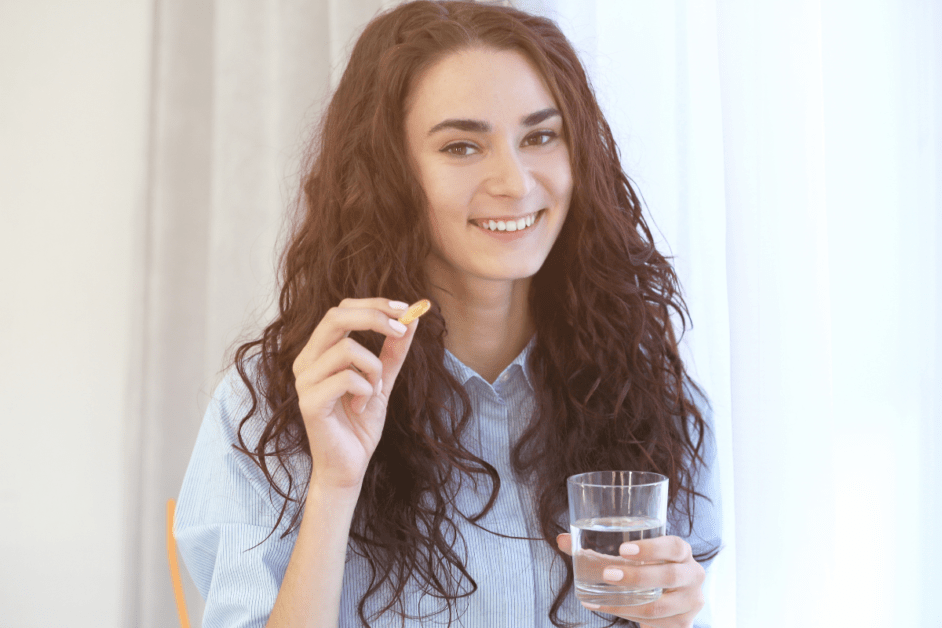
[[671, 549], [393, 355], [652, 565], [319, 367], [564, 541], [363, 381], [673, 609], [378, 315], [379, 303], [319, 396], [664, 548], [663, 563], [662, 576], [681, 584]]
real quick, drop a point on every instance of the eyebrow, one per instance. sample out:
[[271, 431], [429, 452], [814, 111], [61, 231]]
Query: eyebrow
[[479, 126]]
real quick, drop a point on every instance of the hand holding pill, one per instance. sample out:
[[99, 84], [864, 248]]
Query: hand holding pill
[[343, 388]]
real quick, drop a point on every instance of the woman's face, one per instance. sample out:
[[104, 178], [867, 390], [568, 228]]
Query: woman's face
[[486, 140]]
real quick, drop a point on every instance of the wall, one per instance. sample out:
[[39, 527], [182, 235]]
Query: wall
[[74, 81]]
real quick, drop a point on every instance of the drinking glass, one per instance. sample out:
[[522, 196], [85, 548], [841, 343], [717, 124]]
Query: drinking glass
[[606, 509]]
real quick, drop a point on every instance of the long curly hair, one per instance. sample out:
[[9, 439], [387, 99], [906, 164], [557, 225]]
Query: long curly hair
[[612, 392]]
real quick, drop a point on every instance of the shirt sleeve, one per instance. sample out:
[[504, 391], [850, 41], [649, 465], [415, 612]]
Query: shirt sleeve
[[706, 535], [224, 515], [707, 515]]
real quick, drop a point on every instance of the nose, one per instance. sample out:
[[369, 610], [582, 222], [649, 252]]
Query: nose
[[509, 174]]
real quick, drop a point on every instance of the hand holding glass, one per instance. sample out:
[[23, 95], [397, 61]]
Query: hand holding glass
[[606, 509]]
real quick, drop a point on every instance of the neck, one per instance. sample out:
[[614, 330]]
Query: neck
[[489, 322]]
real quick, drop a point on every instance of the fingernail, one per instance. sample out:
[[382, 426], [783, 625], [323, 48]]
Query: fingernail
[[397, 326], [379, 385], [398, 305], [628, 549], [591, 607], [613, 574]]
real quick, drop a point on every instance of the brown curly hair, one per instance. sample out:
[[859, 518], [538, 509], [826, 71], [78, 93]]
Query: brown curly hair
[[612, 392]]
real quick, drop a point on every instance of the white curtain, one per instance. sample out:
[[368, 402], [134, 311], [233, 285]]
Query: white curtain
[[789, 154], [236, 86]]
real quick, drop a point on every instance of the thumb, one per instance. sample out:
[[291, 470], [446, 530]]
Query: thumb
[[564, 541], [393, 355]]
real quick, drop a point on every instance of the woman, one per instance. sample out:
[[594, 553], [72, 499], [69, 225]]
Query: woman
[[356, 471]]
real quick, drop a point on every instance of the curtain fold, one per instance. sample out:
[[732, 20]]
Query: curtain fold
[[789, 158], [177, 232], [780, 324], [815, 303], [236, 89]]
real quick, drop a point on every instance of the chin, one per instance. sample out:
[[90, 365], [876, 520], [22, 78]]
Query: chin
[[514, 274]]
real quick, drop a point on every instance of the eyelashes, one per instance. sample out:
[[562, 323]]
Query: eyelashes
[[459, 149], [465, 149], [545, 136]]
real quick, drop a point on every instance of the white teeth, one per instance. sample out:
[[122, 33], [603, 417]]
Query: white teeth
[[510, 225]]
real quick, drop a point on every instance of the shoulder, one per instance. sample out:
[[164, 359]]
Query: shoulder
[[239, 408], [702, 430], [699, 520], [696, 395], [698, 419], [233, 399], [235, 422], [239, 405], [227, 506], [236, 415]]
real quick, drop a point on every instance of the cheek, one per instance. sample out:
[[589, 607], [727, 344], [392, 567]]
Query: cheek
[[561, 175], [565, 184], [448, 194], [445, 212], [437, 207], [562, 185]]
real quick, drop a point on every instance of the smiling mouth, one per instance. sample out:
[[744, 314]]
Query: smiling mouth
[[519, 224]]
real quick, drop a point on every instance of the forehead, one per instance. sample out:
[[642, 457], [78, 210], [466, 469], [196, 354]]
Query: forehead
[[479, 83]]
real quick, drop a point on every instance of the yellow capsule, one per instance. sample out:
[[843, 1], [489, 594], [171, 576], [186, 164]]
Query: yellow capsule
[[415, 310]]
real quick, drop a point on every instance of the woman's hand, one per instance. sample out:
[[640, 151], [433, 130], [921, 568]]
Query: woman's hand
[[344, 408], [678, 574]]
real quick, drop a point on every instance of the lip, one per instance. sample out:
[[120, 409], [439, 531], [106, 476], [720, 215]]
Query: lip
[[506, 218]]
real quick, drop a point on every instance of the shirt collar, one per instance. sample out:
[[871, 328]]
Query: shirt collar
[[463, 373]]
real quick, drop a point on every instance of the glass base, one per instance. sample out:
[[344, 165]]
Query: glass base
[[615, 596]]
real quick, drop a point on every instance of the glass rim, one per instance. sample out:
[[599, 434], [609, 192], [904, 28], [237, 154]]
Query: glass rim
[[575, 479]]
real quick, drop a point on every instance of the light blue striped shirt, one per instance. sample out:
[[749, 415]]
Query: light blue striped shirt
[[225, 508]]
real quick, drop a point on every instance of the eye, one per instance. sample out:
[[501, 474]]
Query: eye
[[460, 149], [539, 138]]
